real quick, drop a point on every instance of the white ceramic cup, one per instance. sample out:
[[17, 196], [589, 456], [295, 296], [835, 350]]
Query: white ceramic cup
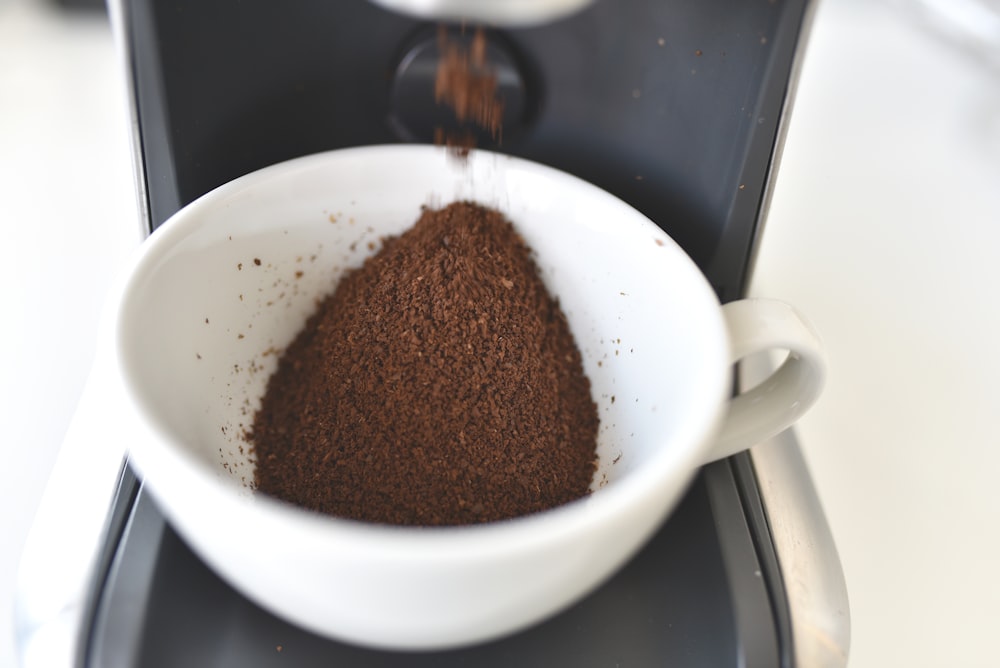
[[217, 292]]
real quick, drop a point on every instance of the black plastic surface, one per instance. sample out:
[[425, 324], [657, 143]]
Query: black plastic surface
[[672, 605], [672, 105]]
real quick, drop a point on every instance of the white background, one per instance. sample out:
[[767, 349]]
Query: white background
[[67, 219], [884, 230]]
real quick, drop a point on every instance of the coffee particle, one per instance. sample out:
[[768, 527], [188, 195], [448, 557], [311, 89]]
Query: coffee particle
[[466, 82], [439, 384]]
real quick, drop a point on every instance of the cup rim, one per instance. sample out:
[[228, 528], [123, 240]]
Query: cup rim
[[159, 458]]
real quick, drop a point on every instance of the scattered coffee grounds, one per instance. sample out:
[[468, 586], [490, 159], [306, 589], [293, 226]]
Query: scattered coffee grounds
[[467, 83], [439, 384]]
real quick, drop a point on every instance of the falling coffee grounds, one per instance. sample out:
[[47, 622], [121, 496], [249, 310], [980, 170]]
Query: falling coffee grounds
[[466, 82], [439, 384]]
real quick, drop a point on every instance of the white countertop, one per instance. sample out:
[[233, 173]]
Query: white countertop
[[884, 230], [67, 219]]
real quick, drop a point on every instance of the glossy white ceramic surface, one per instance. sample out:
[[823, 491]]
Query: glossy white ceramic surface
[[222, 287], [767, 408]]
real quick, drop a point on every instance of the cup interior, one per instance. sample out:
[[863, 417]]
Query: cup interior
[[220, 290]]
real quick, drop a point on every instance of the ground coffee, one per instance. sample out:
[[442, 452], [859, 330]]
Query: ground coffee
[[466, 82], [439, 384]]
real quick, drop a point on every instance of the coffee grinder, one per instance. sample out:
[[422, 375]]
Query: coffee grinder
[[676, 107]]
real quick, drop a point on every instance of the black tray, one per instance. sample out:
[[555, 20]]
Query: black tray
[[697, 595]]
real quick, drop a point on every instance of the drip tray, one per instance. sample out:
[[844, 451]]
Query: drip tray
[[670, 605]]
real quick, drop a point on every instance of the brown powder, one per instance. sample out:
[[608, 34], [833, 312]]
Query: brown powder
[[467, 83], [439, 384]]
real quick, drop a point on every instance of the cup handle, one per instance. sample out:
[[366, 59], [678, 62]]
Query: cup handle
[[761, 325]]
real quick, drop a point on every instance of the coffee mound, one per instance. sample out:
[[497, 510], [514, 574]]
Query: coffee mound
[[439, 384]]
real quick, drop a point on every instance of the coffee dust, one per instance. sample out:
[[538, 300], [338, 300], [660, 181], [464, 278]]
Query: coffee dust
[[439, 384], [466, 82]]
